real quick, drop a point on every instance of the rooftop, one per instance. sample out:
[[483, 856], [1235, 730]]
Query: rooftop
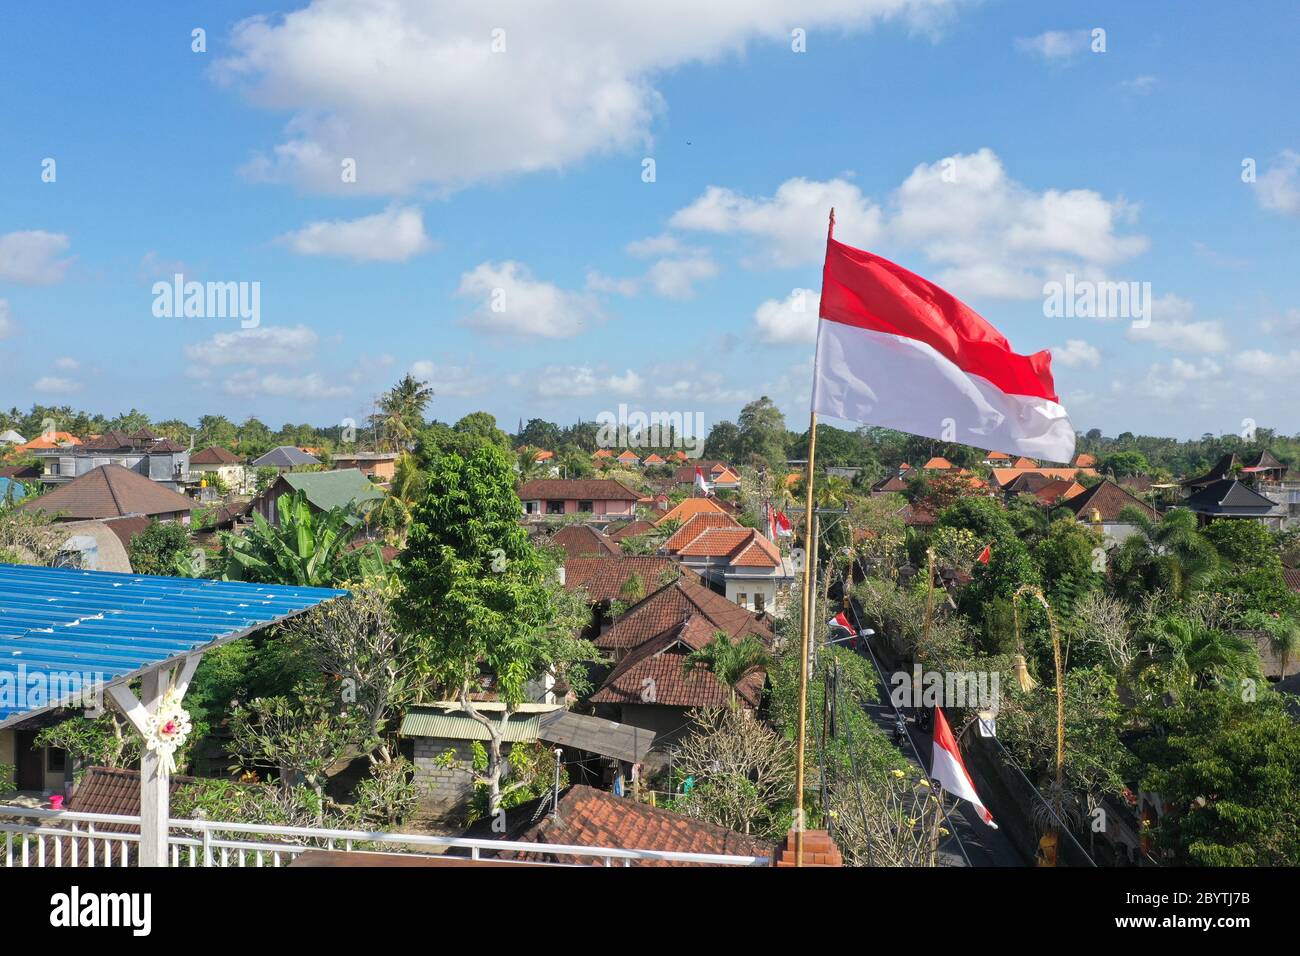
[[110, 491]]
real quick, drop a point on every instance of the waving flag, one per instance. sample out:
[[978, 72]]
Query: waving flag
[[895, 350], [950, 770], [783, 526], [702, 485], [986, 554], [841, 620]]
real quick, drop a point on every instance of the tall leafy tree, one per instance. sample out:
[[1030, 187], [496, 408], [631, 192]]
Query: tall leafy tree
[[306, 548], [402, 410], [1169, 554]]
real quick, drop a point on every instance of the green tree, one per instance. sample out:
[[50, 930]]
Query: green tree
[[402, 411], [161, 549], [306, 547], [729, 663], [483, 597], [762, 435], [1169, 554]]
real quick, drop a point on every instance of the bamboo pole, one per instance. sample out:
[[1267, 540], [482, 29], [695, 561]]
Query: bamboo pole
[[805, 633]]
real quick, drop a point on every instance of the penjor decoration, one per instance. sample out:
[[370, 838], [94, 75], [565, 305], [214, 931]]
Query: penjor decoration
[[167, 729]]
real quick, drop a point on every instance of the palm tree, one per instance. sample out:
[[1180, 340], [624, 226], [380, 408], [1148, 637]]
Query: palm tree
[[402, 410], [729, 663], [1198, 656], [404, 491], [1169, 554], [305, 548]]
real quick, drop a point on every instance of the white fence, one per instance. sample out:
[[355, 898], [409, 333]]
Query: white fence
[[57, 838]]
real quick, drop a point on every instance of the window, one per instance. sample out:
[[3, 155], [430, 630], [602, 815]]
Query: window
[[586, 506], [555, 507], [54, 759], [742, 599], [760, 602], [530, 507]]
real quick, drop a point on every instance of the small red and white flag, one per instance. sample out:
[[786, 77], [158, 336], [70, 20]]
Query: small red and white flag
[[771, 523], [783, 526], [950, 770], [895, 350], [700, 484], [841, 620], [986, 554]]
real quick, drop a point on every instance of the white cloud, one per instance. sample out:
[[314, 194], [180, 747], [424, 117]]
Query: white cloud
[[655, 246], [32, 258], [579, 381], [1055, 45], [1171, 327], [515, 303], [66, 364], [394, 235], [1263, 364], [265, 345], [1278, 187], [1286, 324], [415, 93], [789, 320], [449, 380], [1171, 381], [54, 385], [1076, 352], [791, 224], [8, 326], [1142, 85], [250, 383], [676, 278]]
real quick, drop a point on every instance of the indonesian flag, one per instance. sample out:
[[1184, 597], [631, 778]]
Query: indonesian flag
[[897, 351], [986, 554], [771, 523], [700, 483], [949, 769], [841, 620], [783, 526]]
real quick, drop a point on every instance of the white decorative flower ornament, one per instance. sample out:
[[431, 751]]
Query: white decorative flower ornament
[[167, 729]]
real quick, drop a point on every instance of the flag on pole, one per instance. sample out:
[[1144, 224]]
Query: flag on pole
[[950, 770], [783, 526], [841, 620], [700, 483], [771, 522], [895, 350], [986, 554]]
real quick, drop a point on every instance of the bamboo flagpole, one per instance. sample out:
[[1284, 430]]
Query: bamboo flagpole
[[805, 628]]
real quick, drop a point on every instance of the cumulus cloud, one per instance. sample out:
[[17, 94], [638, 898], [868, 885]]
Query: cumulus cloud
[[394, 235], [449, 380], [312, 386], [790, 225], [1257, 362], [789, 320], [676, 278], [1278, 187], [265, 345], [55, 385], [515, 303], [451, 93], [1075, 353], [1055, 46], [8, 326], [33, 258], [1172, 327], [563, 381]]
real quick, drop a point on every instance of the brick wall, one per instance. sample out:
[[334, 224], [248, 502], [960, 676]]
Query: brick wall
[[443, 787]]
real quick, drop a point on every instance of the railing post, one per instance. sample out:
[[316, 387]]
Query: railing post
[[207, 847]]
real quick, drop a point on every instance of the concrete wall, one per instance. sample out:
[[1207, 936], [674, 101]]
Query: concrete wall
[[444, 789]]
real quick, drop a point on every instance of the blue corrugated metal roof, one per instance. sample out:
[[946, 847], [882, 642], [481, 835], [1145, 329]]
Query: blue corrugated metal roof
[[62, 621]]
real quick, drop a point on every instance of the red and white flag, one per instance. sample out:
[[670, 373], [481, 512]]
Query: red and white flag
[[841, 620], [950, 770], [771, 523], [896, 350], [700, 484], [783, 526]]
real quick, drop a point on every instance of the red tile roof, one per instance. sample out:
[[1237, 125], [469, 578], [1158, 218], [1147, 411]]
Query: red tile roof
[[1108, 500], [216, 455], [581, 539], [653, 459], [604, 578], [109, 491], [937, 464], [670, 605], [695, 526], [1084, 460], [689, 507], [631, 530], [593, 818], [740, 546], [576, 489]]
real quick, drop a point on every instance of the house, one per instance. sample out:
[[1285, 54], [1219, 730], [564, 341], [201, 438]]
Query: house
[[1102, 506], [673, 603], [627, 578], [1219, 471], [1057, 490], [997, 459], [324, 491], [1003, 477], [157, 458], [1229, 498], [693, 526], [1084, 460], [628, 459], [687, 508], [685, 474], [938, 463], [378, 466], [581, 539], [725, 480], [283, 458], [740, 563], [601, 454], [1263, 467], [586, 816], [650, 687], [1023, 462], [632, 529], [598, 497], [48, 440], [221, 463], [11, 437], [890, 484], [653, 459], [112, 491]]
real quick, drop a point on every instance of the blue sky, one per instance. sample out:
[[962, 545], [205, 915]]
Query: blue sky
[[516, 176]]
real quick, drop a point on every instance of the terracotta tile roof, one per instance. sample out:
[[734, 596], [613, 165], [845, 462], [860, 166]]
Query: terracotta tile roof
[[52, 440], [591, 817], [629, 456], [689, 507], [114, 791], [1292, 578], [673, 603], [1084, 460], [1003, 477], [1058, 489], [726, 477], [997, 456], [889, 483], [576, 489], [543, 456], [695, 526], [110, 491], [604, 578], [631, 530], [1023, 462], [602, 453], [580, 539], [653, 459], [937, 464], [917, 515], [1108, 500], [660, 664], [740, 546], [216, 455], [759, 552]]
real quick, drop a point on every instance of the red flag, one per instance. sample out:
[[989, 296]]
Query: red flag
[[985, 554], [894, 349], [950, 770], [700, 483], [783, 526], [841, 620]]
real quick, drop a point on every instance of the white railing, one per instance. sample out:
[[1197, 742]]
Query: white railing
[[55, 838]]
